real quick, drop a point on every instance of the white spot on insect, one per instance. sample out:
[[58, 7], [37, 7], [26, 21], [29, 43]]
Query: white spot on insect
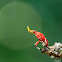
[[40, 41], [39, 37], [43, 43], [45, 40]]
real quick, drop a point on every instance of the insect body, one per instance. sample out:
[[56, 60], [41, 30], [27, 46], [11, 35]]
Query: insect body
[[40, 36]]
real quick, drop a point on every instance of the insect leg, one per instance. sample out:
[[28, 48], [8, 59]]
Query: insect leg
[[36, 43]]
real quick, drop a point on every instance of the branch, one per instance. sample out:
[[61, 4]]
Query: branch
[[54, 51]]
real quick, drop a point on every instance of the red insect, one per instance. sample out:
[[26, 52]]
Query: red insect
[[40, 36]]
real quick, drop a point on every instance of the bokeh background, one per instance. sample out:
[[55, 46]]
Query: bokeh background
[[16, 43]]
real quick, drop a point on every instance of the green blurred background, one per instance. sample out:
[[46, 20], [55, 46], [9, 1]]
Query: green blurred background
[[16, 43]]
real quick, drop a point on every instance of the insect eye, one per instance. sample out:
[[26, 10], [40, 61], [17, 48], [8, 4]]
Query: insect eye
[[39, 38], [34, 31]]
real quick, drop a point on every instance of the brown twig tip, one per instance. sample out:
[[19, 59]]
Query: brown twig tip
[[55, 51]]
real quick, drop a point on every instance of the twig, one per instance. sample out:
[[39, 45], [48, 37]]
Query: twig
[[54, 51]]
